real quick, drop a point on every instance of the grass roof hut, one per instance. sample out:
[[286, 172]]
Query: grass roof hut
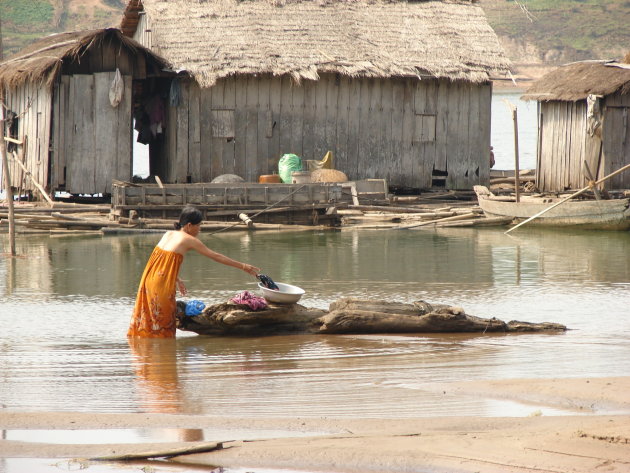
[[583, 117], [395, 89], [63, 126]]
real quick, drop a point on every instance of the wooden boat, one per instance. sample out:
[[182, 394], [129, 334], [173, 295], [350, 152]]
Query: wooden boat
[[609, 214]]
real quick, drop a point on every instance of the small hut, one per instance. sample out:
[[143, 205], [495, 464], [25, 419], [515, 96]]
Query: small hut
[[583, 118], [396, 89], [69, 103]]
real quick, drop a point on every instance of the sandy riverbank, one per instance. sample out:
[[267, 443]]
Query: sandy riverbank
[[594, 439]]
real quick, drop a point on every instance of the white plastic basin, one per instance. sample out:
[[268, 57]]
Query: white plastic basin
[[287, 294]]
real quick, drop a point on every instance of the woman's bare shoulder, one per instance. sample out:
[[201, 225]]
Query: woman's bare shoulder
[[177, 241]]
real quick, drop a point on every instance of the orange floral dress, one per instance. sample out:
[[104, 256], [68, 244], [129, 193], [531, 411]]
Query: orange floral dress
[[154, 313]]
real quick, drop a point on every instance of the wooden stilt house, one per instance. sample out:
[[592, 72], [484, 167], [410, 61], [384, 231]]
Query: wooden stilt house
[[69, 109], [583, 113], [395, 89]]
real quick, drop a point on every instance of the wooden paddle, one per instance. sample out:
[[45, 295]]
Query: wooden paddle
[[581, 191]]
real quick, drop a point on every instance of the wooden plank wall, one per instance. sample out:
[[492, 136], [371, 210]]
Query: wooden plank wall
[[143, 34], [73, 132], [397, 129], [34, 126], [565, 144], [96, 137], [561, 125], [61, 112], [616, 139]]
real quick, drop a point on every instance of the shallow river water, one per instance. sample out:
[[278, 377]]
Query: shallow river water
[[65, 305]]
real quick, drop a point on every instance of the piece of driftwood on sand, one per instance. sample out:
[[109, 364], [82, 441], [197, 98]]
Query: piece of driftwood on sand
[[164, 453], [348, 316]]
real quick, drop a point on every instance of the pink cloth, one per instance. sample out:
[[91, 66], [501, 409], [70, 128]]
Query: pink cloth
[[253, 301]]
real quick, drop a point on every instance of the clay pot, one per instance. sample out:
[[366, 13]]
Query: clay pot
[[269, 179]]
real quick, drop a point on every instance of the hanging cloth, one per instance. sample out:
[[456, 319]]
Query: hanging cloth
[[117, 89], [593, 114]]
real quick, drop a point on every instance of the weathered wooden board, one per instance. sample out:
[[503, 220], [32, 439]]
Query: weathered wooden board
[[105, 133], [82, 158], [275, 92], [194, 132], [181, 165], [265, 127], [225, 195], [32, 107]]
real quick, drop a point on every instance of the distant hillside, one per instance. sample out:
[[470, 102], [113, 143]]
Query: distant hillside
[[24, 21], [552, 32], [544, 33]]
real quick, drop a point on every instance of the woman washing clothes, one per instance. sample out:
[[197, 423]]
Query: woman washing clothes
[[154, 313]]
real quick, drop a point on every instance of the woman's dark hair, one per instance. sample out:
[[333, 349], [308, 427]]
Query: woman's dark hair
[[189, 215]]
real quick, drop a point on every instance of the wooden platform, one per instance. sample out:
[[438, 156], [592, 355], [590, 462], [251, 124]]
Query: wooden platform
[[275, 203]]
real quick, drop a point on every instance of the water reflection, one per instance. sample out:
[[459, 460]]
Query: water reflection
[[109, 268], [65, 307], [155, 365], [52, 465], [503, 130]]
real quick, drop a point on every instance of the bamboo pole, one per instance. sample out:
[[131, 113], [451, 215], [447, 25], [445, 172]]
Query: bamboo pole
[[7, 179], [37, 184], [447, 219], [581, 191], [517, 165]]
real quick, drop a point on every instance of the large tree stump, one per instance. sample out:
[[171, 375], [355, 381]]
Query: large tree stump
[[349, 316], [236, 319], [358, 316]]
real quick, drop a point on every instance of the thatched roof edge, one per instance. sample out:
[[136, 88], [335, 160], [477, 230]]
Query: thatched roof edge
[[41, 62], [576, 81]]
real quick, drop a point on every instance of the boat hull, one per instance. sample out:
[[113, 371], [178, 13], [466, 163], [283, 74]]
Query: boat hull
[[611, 214]]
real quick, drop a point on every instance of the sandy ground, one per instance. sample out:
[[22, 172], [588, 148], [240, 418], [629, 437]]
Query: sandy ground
[[595, 439]]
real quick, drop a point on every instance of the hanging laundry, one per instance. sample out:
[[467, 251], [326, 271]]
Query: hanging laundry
[[157, 114], [117, 89]]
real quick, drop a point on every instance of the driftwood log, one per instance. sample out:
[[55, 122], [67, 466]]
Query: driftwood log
[[347, 316]]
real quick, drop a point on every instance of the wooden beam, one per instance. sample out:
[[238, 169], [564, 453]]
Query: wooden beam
[[7, 185], [11, 140], [39, 187]]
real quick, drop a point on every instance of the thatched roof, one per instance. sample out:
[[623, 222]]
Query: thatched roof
[[41, 61], [303, 38], [577, 81]]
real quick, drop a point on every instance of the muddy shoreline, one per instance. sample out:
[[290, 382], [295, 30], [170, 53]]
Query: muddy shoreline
[[598, 435]]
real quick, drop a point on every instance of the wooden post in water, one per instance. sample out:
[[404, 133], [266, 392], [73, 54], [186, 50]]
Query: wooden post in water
[[7, 178], [517, 166]]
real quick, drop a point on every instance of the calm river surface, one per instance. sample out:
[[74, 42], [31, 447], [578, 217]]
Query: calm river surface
[[65, 306]]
